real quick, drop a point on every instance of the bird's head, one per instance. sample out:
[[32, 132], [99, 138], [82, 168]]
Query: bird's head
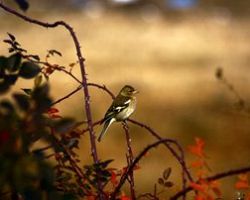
[[128, 90]]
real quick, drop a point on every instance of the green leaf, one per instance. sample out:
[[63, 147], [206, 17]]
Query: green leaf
[[41, 97], [7, 105], [29, 70], [23, 4], [4, 87], [22, 100], [13, 62], [64, 125], [10, 79], [2, 62]]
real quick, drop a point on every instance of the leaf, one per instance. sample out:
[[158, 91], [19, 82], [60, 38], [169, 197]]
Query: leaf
[[241, 185], [197, 187], [7, 106], [215, 185], [13, 62], [197, 164], [125, 197], [167, 173], [12, 37], [4, 87], [22, 101], [36, 57], [198, 148], [161, 181], [8, 41], [10, 79], [27, 91], [29, 70], [3, 61], [168, 184], [105, 163], [53, 51], [64, 125], [23, 4], [38, 81], [113, 178]]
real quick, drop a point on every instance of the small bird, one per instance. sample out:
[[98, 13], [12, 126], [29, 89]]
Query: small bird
[[122, 107]]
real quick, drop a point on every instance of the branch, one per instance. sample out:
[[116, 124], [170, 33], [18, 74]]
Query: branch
[[81, 63], [213, 178], [133, 164], [181, 159], [103, 87], [82, 67], [130, 158]]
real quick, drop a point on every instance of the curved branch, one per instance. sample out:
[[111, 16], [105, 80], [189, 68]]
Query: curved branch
[[213, 178], [133, 164], [81, 63], [181, 158]]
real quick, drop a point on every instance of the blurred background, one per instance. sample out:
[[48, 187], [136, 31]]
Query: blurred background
[[169, 50]]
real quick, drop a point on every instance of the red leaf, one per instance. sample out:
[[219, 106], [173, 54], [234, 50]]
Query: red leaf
[[199, 197], [197, 164], [197, 187], [241, 185], [52, 111], [124, 197], [113, 178], [198, 148], [4, 137], [92, 197], [215, 186], [243, 182], [136, 167]]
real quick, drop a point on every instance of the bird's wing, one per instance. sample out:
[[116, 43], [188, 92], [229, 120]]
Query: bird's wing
[[117, 106]]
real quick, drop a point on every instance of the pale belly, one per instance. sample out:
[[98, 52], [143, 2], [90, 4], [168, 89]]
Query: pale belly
[[126, 112]]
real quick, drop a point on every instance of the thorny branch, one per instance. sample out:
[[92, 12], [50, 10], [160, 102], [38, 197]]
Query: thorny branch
[[130, 158], [82, 67], [133, 164], [213, 178]]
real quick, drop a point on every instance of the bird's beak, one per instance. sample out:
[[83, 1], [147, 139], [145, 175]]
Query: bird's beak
[[135, 92]]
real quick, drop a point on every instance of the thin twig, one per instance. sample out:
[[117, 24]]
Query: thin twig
[[133, 164], [181, 159], [83, 74], [67, 96], [130, 158], [213, 178], [103, 87]]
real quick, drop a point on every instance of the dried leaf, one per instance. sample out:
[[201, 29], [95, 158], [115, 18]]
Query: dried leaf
[[168, 184], [167, 173], [161, 181]]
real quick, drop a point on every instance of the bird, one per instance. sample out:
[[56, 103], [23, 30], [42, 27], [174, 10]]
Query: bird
[[122, 107]]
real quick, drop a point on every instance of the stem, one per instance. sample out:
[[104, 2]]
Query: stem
[[133, 164], [81, 63], [213, 178], [181, 159], [130, 158], [83, 73]]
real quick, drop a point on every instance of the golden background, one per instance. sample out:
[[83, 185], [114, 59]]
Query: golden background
[[171, 59]]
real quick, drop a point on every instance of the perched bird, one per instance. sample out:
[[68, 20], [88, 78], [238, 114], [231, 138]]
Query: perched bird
[[122, 107]]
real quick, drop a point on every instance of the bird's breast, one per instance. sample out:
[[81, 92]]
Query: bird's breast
[[124, 114]]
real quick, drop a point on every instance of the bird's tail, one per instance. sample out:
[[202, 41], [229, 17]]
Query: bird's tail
[[107, 123]]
